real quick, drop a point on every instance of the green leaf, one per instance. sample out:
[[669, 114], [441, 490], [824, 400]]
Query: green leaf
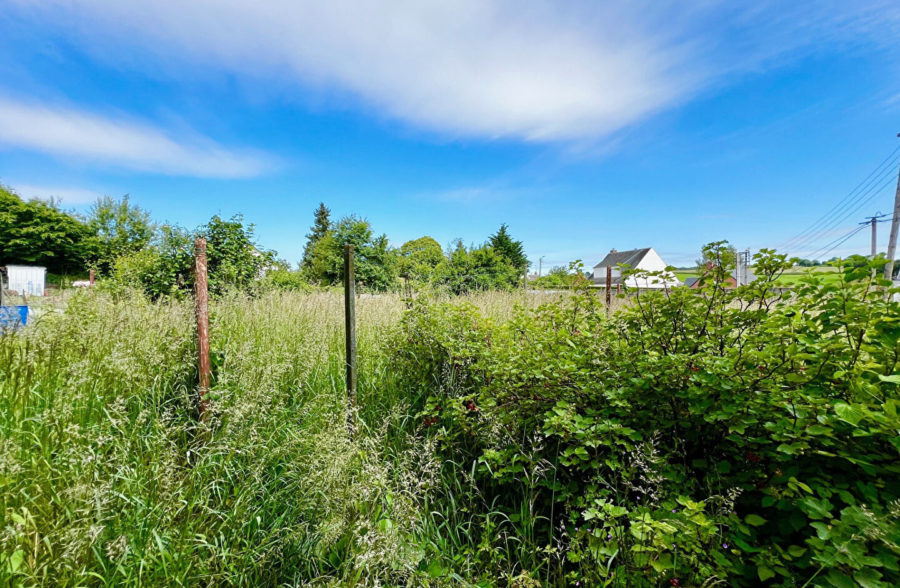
[[818, 430], [892, 379], [796, 551], [765, 573], [792, 481], [15, 561], [822, 530], [663, 563], [435, 570], [815, 508], [839, 580], [869, 578], [755, 520], [849, 414]]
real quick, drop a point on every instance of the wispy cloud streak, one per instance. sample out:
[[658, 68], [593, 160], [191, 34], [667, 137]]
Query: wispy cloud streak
[[522, 69], [119, 142]]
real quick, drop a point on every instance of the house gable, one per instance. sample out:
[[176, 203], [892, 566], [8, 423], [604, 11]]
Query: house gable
[[645, 259]]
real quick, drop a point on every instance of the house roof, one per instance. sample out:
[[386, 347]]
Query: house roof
[[632, 257], [691, 281]]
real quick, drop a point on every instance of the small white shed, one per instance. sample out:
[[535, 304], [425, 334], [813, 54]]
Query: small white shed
[[26, 279]]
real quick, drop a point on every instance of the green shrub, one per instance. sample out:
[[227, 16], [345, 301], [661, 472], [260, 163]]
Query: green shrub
[[286, 279], [734, 436]]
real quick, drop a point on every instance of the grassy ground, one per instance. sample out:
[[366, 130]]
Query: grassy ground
[[108, 478]]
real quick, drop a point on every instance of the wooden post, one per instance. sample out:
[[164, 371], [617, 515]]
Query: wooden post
[[350, 329], [201, 297], [92, 277], [608, 288]]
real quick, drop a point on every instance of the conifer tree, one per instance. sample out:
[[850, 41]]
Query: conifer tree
[[511, 250], [321, 228]]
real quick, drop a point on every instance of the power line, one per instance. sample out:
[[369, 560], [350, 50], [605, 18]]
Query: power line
[[836, 209], [859, 202], [837, 242], [876, 175]]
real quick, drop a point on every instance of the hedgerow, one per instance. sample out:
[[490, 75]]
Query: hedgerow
[[692, 438]]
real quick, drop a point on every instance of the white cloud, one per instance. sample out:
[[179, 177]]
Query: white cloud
[[64, 195], [527, 69], [134, 145]]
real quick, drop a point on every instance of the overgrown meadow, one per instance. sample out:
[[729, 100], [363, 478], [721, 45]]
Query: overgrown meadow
[[684, 438]]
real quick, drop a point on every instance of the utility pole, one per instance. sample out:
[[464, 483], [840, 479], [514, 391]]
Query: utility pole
[[874, 236], [874, 220], [746, 266], [895, 225]]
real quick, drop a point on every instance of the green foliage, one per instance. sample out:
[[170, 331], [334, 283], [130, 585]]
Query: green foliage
[[162, 269], [695, 437], [166, 266], [38, 233], [718, 254], [233, 257], [561, 277], [283, 278], [119, 229], [419, 259], [473, 269], [375, 261], [107, 477], [509, 249], [715, 435], [320, 230]]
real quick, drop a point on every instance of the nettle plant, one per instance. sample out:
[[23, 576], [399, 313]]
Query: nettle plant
[[713, 435]]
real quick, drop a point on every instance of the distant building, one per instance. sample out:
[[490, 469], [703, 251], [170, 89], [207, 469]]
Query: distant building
[[25, 280], [643, 260], [739, 276]]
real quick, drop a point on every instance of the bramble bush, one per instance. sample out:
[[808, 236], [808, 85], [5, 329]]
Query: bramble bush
[[693, 437]]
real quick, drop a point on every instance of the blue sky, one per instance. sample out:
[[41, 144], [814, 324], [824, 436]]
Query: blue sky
[[583, 126]]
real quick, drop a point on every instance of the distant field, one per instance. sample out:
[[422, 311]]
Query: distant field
[[791, 276]]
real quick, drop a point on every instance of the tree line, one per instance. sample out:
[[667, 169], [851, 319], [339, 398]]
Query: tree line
[[500, 262], [120, 241]]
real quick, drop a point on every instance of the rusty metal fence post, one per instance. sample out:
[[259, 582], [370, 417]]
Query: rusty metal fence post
[[201, 298], [350, 330]]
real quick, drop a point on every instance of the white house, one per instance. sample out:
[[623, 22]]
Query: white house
[[643, 260], [26, 279]]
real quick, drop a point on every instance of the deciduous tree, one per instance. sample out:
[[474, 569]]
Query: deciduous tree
[[119, 228], [39, 233]]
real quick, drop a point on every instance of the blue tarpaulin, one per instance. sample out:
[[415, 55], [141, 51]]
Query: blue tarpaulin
[[12, 317]]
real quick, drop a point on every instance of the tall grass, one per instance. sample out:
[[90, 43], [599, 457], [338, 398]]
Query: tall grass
[[107, 476]]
